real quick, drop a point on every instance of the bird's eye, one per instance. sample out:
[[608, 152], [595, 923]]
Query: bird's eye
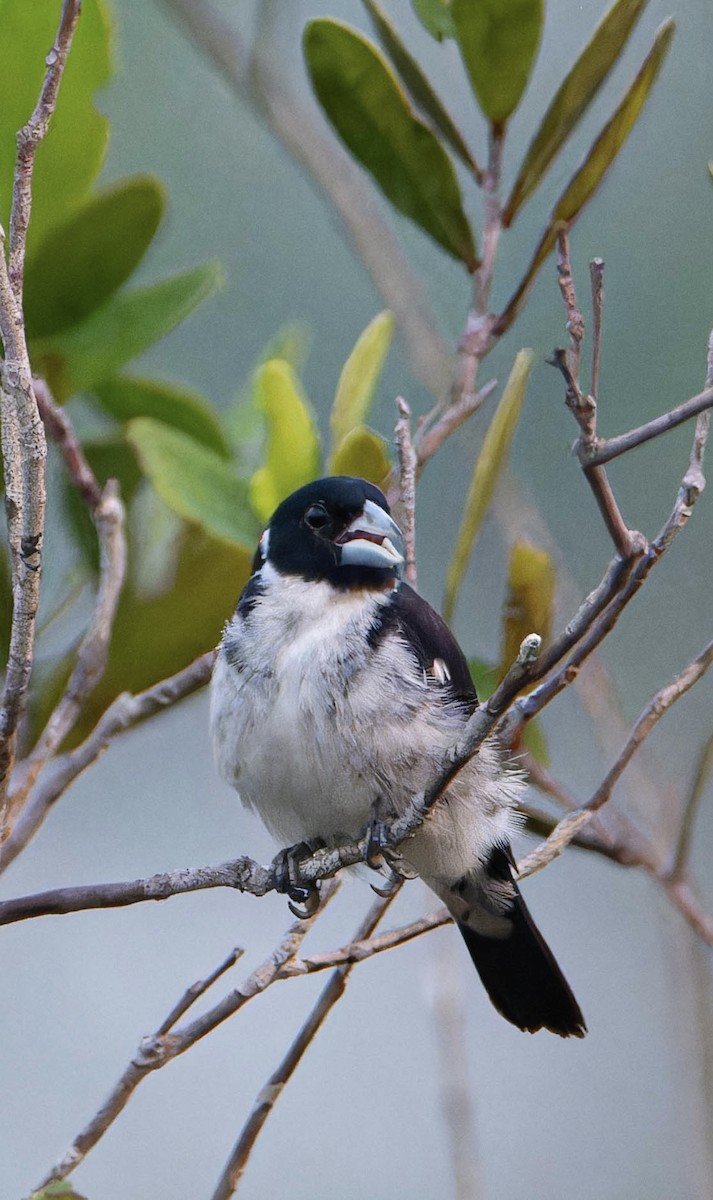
[[316, 516]]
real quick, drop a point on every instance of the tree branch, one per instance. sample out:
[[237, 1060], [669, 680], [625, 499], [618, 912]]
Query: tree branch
[[29, 138], [125, 712], [161, 1047], [570, 825], [24, 448], [270, 1093]]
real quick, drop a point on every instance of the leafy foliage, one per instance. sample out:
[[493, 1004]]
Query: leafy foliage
[[369, 111]]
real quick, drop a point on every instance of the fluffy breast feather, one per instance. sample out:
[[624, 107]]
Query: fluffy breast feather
[[312, 725]]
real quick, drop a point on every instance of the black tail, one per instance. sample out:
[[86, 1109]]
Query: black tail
[[517, 967]]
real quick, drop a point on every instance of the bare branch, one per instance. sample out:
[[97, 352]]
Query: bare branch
[[198, 989], [702, 774], [570, 825], [584, 407], [269, 1094], [94, 650], [407, 486], [125, 712], [29, 138], [358, 951], [609, 448], [159, 1048], [59, 428], [430, 437], [24, 448], [596, 276]]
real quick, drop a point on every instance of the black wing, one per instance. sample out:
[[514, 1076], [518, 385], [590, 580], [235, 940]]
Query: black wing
[[432, 642]]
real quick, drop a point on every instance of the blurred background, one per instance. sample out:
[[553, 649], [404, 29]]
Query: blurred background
[[624, 1113]]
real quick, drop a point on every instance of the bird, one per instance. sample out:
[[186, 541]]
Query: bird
[[336, 693]]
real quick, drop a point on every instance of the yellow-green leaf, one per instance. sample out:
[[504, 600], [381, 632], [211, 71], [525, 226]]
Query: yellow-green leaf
[[573, 98], [498, 41], [292, 456], [362, 453], [194, 481], [359, 377], [592, 170], [491, 460], [529, 604], [368, 109], [417, 84]]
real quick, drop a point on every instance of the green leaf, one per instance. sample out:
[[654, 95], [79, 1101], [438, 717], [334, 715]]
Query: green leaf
[[435, 16], [529, 603], [292, 457], [194, 481], [59, 1190], [362, 453], [69, 159], [573, 98], [82, 261], [491, 460], [498, 40], [359, 377], [125, 397], [363, 100], [418, 85], [88, 354], [484, 676], [594, 167]]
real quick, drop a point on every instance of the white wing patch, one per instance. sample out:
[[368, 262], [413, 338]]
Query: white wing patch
[[440, 672]]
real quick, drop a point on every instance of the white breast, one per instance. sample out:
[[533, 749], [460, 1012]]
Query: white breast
[[312, 726]]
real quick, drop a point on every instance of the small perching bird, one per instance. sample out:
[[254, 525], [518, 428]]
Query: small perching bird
[[337, 691]]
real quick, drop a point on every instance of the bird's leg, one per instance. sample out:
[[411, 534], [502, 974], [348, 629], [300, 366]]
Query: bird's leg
[[302, 898], [379, 855]]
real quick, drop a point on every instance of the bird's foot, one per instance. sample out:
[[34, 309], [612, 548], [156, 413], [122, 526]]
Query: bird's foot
[[380, 856], [302, 898]]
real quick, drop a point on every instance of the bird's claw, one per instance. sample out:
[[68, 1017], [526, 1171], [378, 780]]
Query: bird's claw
[[302, 898], [303, 902], [380, 856]]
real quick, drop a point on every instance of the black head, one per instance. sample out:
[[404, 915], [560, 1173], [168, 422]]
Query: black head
[[337, 529]]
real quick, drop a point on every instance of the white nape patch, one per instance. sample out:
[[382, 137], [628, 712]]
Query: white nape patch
[[264, 544], [440, 672]]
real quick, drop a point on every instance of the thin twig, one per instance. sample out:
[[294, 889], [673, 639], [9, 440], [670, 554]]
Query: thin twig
[[407, 486], [609, 448], [596, 277], [108, 516], [198, 989], [583, 406], [431, 436], [661, 703], [29, 138], [161, 1047], [701, 777], [59, 428], [124, 712], [270, 1093]]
